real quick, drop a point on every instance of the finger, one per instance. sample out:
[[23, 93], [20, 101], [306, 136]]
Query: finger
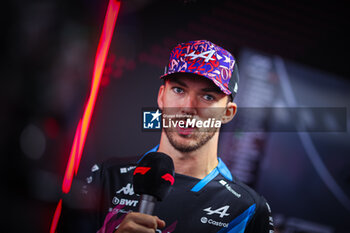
[[133, 227], [143, 219], [160, 223]]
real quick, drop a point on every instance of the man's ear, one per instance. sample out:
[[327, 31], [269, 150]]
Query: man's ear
[[229, 113], [160, 97]]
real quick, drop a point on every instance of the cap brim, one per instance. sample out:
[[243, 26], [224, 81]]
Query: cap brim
[[217, 83]]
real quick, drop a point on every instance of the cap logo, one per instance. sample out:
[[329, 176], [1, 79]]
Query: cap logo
[[204, 58], [207, 55]]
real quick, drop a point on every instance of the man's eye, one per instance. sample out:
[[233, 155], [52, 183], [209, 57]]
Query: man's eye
[[208, 97], [178, 90]]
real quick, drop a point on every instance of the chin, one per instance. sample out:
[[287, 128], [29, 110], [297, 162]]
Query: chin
[[188, 143]]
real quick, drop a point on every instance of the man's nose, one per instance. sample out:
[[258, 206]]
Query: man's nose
[[189, 105]]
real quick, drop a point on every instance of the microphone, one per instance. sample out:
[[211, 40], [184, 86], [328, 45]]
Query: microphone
[[153, 178]]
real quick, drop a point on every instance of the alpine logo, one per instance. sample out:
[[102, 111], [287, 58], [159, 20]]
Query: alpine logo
[[222, 211], [209, 54], [127, 190]]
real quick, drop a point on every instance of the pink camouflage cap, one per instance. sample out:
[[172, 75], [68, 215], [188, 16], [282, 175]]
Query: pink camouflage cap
[[205, 58]]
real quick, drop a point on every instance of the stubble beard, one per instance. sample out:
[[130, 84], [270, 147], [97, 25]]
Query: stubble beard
[[200, 139]]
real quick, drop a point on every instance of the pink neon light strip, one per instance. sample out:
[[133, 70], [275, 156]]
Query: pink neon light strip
[[56, 217], [84, 123], [83, 127]]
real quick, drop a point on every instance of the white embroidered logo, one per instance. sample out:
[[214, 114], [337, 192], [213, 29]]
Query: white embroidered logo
[[94, 168], [128, 189], [228, 187], [221, 211], [209, 54]]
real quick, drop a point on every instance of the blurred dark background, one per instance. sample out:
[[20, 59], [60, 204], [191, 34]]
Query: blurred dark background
[[290, 55]]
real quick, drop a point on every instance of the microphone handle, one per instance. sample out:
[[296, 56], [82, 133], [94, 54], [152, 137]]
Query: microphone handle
[[147, 203]]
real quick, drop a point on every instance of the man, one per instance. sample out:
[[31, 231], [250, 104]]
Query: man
[[200, 85]]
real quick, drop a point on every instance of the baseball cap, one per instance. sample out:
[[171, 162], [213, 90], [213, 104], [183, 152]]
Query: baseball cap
[[207, 59]]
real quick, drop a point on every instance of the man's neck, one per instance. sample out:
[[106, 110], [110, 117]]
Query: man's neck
[[198, 163]]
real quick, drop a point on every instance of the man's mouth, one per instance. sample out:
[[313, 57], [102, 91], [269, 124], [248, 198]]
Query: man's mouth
[[184, 130], [182, 126]]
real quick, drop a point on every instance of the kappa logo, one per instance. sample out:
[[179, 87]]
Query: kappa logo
[[222, 211], [208, 55], [127, 190]]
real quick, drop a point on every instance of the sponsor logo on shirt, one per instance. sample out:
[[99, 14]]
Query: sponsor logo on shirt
[[89, 179], [123, 201], [210, 221], [126, 169], [127, 190], [228, 187], [222, 211], [119, 210], [94, 168], [268, 207]]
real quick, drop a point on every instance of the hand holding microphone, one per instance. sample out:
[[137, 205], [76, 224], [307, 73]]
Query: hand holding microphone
[[152, 179]]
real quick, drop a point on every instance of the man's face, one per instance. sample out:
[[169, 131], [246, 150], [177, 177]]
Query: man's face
[[190, 96]]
